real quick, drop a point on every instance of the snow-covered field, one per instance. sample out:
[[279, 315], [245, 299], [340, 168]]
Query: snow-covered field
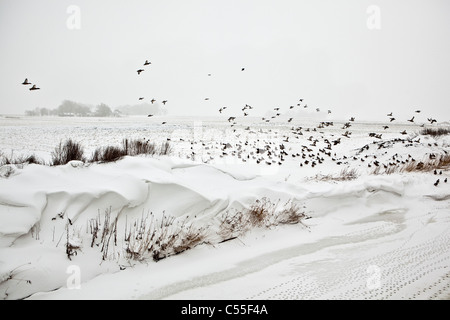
[[367, 236]]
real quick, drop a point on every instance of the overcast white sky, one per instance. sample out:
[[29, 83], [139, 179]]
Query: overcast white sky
[[319, 50]]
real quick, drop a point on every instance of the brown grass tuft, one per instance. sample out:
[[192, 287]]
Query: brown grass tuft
[[107, 154], [435, 132], [291, 214], [67, 152], [17, 160], [262, 213], [131, 147], [346, 174], [149, 237]]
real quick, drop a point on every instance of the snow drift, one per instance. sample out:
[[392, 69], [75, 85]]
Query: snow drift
[[37, 202]]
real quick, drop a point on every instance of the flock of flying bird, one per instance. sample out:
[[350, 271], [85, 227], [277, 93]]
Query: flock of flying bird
[[276, 153], [310, 147], [278, 113], [139, 71], [26, 83]]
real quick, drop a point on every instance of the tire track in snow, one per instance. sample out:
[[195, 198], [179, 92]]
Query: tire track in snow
[[261, 262], [415, 272], [407, 271], [411, 266]]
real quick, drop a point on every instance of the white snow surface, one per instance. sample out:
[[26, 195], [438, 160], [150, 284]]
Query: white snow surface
[[373, 237]]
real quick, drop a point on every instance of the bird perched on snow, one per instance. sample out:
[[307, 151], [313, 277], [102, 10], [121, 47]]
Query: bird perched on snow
[[436, 183], [221, 109], [385, 127], [146, 63], [164, 102], [26, 82], [392, 119], [140, 70], [34, 87], [242, 69], [417, 111], [411, 120], [141, 98], [153, 100]]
